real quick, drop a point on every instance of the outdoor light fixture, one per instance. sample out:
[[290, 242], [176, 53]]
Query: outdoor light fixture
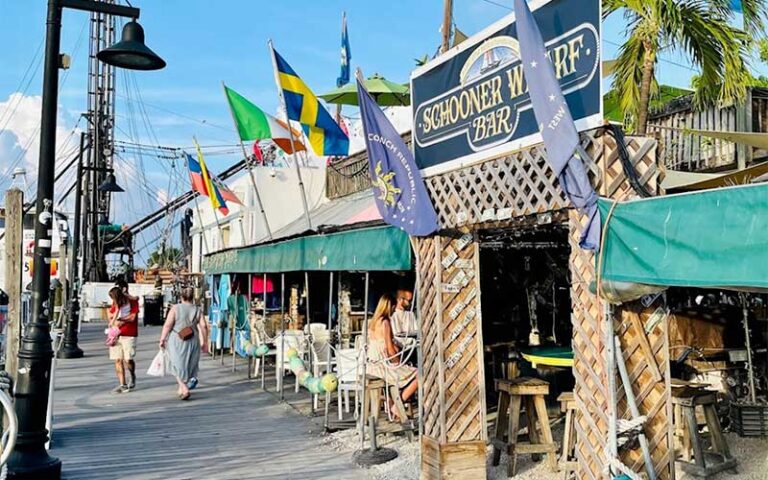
[[110, 184], [130, 52], [30, 459]]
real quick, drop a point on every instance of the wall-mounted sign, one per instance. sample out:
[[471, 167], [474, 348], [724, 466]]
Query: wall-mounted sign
[[472, 103]]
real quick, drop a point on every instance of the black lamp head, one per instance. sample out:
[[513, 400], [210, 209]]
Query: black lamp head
[[110, 184], [130, 52]]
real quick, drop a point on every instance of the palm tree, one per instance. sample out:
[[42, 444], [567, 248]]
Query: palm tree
[[700, 29]]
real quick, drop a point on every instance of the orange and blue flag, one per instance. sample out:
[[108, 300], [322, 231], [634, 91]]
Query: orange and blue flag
[[205, 183], [301, 105], [196, 176]]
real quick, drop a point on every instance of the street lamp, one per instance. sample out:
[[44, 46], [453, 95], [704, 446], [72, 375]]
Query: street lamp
[[30, 460], [70, 349], [110, 185]]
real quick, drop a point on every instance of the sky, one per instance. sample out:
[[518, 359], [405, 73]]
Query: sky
[[206, 42]]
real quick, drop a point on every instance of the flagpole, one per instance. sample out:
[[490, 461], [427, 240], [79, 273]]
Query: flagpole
[[290, 133], [202, 225], [343, 28], [215, 214], [248, 165]]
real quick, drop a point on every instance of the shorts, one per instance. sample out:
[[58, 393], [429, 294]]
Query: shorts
[[124, 349]]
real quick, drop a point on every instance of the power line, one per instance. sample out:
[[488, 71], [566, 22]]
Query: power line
[[181, 115], [37, 60]]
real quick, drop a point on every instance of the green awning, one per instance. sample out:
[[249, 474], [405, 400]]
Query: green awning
[[711, 238], [369, 249]]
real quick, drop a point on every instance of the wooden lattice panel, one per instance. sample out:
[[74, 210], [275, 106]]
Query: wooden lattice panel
[[591, 391], [651, 392], [431, 386], [453, 377], [514, 185]]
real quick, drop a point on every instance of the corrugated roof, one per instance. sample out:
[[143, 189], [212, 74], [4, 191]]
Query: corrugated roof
[[356, 208]]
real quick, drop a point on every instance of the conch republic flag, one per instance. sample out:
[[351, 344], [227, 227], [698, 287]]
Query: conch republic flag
[[401, 196], [556, 123], [301, 105], [254, 124]]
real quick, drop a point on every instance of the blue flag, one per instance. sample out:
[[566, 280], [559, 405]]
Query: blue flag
[[401, 196], [555, 123], [346, 54]]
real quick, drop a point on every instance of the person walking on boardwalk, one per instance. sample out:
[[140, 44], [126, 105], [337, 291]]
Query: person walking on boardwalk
[[184, 336], [124, 314]]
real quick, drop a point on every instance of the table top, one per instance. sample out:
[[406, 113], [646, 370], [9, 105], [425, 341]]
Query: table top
[[549, 356]]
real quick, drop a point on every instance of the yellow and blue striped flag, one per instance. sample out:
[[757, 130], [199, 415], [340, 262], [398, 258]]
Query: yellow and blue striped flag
[[301, 105]]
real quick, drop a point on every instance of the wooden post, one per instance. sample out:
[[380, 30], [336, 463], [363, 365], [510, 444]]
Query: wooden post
[[14, 205], [58, 319], [744, 124], [447, 25]]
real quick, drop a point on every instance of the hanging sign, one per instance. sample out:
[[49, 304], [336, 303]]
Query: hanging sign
[[449, 257], [450, 288], [465, 263], [472, 103], [463, 241]]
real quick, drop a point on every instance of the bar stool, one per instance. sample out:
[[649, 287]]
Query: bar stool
[[374, 393], [512, 394], [568, 456], [685, 401]]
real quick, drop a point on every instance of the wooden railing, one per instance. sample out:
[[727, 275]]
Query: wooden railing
[[350, 175], [687, 151]]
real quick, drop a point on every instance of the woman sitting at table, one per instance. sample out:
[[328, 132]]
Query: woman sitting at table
[[383, 359]]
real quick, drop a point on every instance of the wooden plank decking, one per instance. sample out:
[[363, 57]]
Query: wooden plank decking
[[230, 429]]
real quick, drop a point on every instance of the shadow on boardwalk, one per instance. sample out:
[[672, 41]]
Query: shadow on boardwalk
[[230, 429]]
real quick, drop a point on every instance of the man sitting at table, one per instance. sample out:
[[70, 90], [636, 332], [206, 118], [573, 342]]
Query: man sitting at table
[[403, 320]]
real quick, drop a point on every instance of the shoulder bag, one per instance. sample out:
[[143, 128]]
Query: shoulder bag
[[188, 332]]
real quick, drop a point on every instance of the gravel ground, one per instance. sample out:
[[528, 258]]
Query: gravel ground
[[404, 467], [752, 455]]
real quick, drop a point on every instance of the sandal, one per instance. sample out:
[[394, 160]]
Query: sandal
[[184, 396]]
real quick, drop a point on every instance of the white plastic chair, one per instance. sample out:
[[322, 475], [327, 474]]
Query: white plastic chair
[[259, 337], [292, 339], [348, 362], [320, 350]]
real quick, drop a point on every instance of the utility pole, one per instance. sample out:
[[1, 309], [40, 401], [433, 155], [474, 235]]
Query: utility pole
[[447, 25]]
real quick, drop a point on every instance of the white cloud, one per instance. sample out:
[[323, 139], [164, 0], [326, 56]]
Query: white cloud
[[20, 137]]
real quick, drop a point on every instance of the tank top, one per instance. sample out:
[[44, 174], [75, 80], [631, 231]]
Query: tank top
[[186, 316]]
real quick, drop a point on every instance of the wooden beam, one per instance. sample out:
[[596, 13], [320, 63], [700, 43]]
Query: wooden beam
[[14, 206]]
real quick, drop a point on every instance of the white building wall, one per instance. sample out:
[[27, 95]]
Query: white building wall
[[280, 196]]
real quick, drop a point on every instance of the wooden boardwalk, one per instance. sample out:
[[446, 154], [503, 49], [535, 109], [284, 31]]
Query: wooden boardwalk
[[230, 429]]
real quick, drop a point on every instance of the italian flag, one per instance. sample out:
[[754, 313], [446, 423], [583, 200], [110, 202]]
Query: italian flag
[[254, 124]]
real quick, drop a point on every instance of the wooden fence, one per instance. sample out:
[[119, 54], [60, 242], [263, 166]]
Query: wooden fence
[[692, 152]]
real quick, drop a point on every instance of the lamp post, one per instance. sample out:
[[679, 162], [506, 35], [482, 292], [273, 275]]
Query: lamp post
[[70, 349], [30, 460]]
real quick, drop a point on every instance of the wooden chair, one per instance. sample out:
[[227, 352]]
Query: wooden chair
[[685, 401], [512, 395], [568, 455]]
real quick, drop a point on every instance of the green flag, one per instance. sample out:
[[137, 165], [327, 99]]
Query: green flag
[[254, 124]]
